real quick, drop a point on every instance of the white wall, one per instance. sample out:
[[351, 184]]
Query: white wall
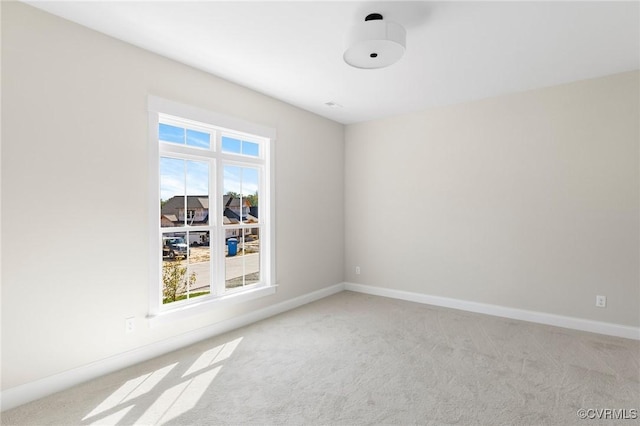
[[74, 132], [529, 201]]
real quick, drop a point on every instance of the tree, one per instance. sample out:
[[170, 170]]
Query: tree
[[253, 199], [233, 194], [174, 280]]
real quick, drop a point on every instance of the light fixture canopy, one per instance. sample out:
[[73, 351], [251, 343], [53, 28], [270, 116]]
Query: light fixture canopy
[[375, 43]]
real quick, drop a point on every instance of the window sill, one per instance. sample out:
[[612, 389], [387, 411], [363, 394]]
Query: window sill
[[186, 311]]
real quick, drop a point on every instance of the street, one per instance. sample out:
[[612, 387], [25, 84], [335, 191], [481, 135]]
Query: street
[[235, 267]]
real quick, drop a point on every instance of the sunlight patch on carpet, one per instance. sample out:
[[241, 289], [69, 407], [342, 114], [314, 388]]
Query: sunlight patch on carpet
[[212, 356], [178, 393], [131, 389]]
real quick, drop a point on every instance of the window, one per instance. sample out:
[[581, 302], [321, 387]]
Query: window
[[211, 232]]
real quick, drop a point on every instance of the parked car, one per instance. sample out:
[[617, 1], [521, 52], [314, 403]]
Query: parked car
[[174, 247]]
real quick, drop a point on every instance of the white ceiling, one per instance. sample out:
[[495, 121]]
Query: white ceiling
[[456, 51]]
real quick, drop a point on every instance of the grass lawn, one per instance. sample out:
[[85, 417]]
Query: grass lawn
[[184, 296]]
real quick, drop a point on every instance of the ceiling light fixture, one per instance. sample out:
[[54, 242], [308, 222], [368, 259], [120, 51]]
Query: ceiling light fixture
[[375, 43]]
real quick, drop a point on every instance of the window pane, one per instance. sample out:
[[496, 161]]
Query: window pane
[[174, 246], [199, 264], [167, 133], [198, 139], [231, 199], [197, 209], [172, 190], [249, 193], [251, 250], [175, 276], [231, 145], [250, 148], [240, 199], [237, 146], [242, 260], [186, 270]]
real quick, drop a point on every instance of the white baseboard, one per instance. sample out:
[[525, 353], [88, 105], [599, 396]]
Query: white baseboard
[[31, 391], [502, 311]]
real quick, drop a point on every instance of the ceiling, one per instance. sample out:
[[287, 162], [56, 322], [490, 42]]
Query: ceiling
[[456, 51]]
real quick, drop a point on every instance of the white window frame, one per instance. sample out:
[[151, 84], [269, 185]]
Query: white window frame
[[159, 110]]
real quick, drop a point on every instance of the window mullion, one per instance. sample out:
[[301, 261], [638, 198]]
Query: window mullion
[[214, 227], [184, 201], [185, 151], [220, 241], [236, 159]]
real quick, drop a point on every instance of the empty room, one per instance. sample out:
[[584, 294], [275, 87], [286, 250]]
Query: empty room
[[319, 212]]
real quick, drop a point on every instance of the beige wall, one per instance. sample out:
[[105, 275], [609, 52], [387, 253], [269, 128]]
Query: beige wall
[[529, 201], [74, 150]]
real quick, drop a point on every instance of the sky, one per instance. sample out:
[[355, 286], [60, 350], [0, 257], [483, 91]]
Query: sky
[[179, 176]]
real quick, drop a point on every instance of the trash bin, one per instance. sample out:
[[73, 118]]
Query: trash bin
[[232, 246]]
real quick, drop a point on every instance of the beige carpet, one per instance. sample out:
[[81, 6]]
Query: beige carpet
[[358, 359]]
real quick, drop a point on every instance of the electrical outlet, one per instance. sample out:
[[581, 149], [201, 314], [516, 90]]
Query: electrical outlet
[[357, 270], [601, 301], [130, 325]]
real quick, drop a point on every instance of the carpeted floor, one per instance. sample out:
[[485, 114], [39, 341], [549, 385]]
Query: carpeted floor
[[358, 359]]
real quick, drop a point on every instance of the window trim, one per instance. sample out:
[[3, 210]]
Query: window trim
[[159, 313]]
